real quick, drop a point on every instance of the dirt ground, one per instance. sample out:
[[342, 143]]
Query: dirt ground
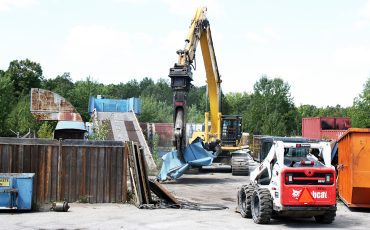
[[217, 188]]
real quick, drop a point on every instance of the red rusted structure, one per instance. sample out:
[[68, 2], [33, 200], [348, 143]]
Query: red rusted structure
[[49, 106], [330, 128]]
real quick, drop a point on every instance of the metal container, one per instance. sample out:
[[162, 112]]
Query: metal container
[[60, 206], [325, 127], [115, 105], [354, 168], [16, 190]]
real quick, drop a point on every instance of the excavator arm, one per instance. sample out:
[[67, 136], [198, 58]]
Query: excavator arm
[[181, 76]]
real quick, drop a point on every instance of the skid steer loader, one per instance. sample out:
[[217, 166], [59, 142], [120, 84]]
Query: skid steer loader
[[294, 180]]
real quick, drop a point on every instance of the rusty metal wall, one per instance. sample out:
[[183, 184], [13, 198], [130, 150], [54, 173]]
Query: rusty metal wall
[[70, 170], [47, 105]]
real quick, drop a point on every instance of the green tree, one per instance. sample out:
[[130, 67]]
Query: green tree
[[198, 96], [193, 115], [20, 119], [155, 111], [25, 74], [46, 130], [237, 103], [131, 89], [308, 111], [62, 84], [101, 130], [79, 96], [360, 112], [271, 109], [333, 111], [6, 101], [160, 91], [145, 83]]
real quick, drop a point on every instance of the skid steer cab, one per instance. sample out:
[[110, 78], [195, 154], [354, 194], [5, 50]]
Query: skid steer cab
[[294, 180]]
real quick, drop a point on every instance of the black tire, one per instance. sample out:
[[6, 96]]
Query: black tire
[[261, 206], [245, 197], [327, 218], [239, 166]]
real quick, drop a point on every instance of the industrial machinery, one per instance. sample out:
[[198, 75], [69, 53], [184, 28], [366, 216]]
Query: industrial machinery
[[225, 132], [295, 179], [16, 190]]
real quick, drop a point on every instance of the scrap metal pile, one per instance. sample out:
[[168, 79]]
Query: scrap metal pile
[[141, 187], [174, 166]]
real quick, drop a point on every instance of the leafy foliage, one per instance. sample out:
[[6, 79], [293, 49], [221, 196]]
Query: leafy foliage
[[269, 109], [20, 119], [81, 92], [360, 112], [6, 101], [46, 130], [100, 131], [194, 115], [25, 75], [62, 85], [155, 111]]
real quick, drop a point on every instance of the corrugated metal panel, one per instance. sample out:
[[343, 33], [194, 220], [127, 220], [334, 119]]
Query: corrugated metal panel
[[324, 127], [47, 105], [69, 170], [311, 127], [331, 134]]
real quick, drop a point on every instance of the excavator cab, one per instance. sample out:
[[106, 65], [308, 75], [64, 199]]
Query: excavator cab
[[231, 130]]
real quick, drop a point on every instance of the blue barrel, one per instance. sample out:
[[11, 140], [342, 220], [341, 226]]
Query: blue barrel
[[16, 190]]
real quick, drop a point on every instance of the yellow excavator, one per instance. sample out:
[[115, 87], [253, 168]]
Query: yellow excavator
[[224, 135]]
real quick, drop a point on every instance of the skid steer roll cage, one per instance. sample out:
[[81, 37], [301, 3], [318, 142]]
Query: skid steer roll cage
[[276, 156]]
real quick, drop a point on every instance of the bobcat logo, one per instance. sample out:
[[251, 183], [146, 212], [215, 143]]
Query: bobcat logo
[[296, 193]]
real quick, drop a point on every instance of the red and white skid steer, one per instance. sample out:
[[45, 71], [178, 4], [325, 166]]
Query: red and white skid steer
[[294, 180]]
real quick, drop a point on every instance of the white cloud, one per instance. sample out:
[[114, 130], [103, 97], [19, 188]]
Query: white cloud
[[364, 14], [179, 7], [361, 24], [353, 56], [365, 10], [131, 1], [9, 4], [107, 54], [264, 36]]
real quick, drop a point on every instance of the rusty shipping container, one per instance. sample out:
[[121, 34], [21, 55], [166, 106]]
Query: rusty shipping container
[[71, 170], [325, 127], [354, 168]]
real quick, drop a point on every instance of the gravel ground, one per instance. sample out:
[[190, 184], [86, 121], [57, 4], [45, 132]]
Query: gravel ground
[[209, 187]]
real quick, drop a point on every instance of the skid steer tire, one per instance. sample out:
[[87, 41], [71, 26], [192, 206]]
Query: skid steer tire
[[327, 218], [261, 206], [245, 197]]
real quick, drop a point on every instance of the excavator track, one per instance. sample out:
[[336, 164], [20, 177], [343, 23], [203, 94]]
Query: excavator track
[[239, 165]]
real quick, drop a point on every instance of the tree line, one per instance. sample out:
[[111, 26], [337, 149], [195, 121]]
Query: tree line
[[269, 109]]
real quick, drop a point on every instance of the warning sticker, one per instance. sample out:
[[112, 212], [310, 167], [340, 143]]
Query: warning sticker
[[4, 181], [306, 197]]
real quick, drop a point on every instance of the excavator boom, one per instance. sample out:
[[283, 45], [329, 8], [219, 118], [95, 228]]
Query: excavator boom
[[181, 77]]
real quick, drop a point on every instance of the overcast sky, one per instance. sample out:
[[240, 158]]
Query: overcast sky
[[321, 48]]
